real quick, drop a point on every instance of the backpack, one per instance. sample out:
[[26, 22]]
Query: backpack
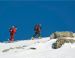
[[37, 28]]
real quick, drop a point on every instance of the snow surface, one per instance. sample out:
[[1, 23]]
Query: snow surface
[[22, 49]]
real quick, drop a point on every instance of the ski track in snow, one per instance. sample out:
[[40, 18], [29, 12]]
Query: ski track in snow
[[21, 49]]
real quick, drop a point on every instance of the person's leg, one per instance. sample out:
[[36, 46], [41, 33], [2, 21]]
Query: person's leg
[[11, 37], [39, 35], [34, 36]]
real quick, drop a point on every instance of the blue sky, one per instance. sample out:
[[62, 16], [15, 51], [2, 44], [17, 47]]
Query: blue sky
[[53, 15]]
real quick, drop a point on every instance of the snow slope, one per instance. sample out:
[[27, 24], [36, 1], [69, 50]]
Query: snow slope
[[22, 49]]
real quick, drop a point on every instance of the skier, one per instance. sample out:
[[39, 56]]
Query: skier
[[37, 30], [12, 31]]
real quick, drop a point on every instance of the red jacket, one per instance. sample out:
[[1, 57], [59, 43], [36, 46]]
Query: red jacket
[[12, 30]]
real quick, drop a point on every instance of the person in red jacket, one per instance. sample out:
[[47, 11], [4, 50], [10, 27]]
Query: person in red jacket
[[12, 31], [37, 30]]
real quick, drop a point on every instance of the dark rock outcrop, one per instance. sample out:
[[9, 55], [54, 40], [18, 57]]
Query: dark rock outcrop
[[61, 34]]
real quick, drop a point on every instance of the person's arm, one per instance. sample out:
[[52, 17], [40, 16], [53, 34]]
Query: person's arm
[[10, 29], [16, 28]]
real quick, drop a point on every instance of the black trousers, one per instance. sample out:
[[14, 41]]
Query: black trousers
[[37, 34]]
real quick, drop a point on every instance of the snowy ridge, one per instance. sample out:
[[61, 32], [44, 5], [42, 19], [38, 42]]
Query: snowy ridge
[[43, 49]]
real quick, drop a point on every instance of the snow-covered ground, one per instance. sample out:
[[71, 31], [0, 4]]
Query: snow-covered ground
[[22, 49]]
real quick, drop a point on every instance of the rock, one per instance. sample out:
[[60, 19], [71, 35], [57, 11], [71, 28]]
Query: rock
[[60, 41], [61, 34], [32, 48], [73, 34]]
